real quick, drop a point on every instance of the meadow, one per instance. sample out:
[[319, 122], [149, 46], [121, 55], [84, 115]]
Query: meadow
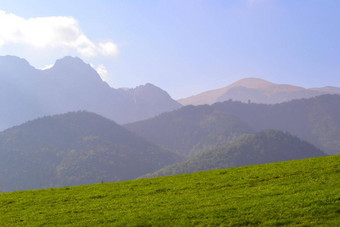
[[302, 192]]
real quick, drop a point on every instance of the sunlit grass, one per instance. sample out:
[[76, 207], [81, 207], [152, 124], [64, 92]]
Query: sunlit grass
[[304, 192]]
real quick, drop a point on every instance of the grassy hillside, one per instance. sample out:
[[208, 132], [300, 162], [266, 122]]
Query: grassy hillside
[[303, 192]]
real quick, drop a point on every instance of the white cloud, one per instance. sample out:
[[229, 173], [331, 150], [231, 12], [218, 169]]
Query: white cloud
[[102, 71], [47, 67], [53, 32], [108, 48]]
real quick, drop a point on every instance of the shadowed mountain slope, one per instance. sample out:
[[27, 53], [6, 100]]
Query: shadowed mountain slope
[[72, 149], [190, 129], [316, 120], [259, 148]]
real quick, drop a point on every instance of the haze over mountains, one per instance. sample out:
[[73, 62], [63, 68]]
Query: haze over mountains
[[71, 85], [257, 91]]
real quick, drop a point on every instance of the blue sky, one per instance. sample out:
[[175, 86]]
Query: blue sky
[[184, 47]]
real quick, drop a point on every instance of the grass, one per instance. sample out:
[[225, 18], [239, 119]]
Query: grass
[[304, 192]]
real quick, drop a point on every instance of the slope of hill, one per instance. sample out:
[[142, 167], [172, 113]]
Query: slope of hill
[[298, 193], [189, 130], [259, 148], [71, 85], [328, 89], [257, 91], [316, 120], [72, 149]]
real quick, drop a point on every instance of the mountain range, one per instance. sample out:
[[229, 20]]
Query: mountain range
[[257, 91], [79, 148], [71, 85], [191, 128], [70, 135], [73, 149]]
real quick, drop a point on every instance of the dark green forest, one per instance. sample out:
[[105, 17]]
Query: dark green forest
[[73, 149], [191, 129], [259, 148]]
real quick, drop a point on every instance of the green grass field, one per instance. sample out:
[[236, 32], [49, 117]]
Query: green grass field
[[304, 192]]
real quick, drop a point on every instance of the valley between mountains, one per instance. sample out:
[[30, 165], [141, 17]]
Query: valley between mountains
[[64, 126]]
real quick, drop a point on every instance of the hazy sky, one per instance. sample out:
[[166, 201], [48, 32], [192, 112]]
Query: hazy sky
[[185, 46]]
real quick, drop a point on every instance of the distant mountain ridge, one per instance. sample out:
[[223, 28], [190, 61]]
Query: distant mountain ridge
[[73, 149], [71, 85], [191, 128], [258, 91]]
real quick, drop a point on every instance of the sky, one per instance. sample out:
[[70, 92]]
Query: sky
[[183, 46]]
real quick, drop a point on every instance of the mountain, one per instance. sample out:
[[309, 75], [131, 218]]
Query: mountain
[[328, 89], [316, 120], [72, 149], [257, 91], [190, 129], [71, 85], [259, 148], [151, 100]]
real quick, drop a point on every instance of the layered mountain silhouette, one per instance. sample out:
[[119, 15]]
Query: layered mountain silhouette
[[259, 148], [71, 85], [190, 129], [84, 148], [257, 91], [72, 149], [316, 120]]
